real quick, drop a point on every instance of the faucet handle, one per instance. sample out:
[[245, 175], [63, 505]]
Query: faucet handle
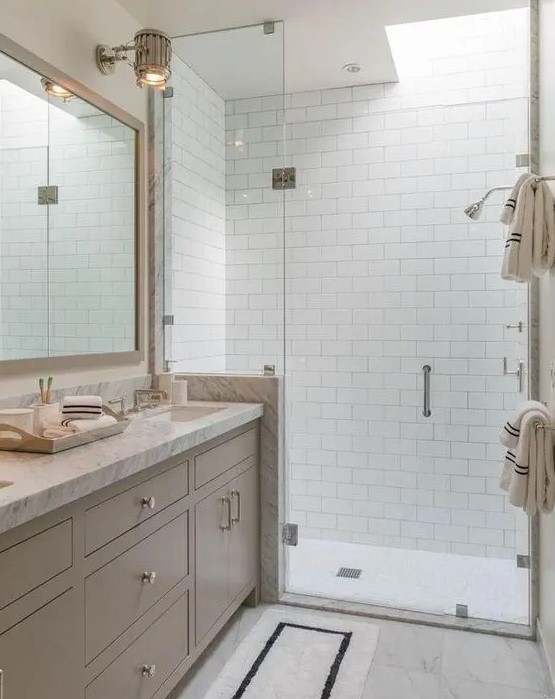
[[121, 402]]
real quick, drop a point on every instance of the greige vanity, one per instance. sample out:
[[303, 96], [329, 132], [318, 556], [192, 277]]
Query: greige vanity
[[115, 595]]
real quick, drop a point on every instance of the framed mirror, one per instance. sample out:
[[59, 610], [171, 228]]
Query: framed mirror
[[70, 220]]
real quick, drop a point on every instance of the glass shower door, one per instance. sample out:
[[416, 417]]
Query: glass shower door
[[386, 276]]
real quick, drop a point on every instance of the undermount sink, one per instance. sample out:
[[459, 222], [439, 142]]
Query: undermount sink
[[189, 413], [5, 484]]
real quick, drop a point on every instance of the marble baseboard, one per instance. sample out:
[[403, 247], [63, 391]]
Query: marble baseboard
[[107, 389], [547, 661], [269, 391]]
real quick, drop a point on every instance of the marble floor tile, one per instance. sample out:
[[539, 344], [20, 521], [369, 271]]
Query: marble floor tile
[[493, 659], [410, 647], [200, 678], [465, 689], [400, 683], [411, 662]]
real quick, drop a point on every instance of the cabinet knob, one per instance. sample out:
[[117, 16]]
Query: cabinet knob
[[149, 502], [148, 578], [149, 670]]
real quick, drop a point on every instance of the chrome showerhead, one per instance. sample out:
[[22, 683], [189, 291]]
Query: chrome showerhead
[[474, 211]]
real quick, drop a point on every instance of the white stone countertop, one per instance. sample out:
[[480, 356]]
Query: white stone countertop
[[44, 482]]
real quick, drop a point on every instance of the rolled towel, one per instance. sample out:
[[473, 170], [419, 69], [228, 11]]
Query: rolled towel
[[63, 426], [82, 407], [511, 429]]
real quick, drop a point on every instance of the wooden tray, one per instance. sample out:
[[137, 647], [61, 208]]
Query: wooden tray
[[27, 442]]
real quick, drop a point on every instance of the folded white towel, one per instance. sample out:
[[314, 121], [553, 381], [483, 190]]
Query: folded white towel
[[64, 426], [82, 407]]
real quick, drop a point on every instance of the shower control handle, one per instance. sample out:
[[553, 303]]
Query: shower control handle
[[427, 370]]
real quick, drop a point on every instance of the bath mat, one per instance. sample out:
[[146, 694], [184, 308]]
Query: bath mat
[[299, 655]]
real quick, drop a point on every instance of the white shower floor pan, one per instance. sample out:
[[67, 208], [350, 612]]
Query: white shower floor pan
[[492, 588]]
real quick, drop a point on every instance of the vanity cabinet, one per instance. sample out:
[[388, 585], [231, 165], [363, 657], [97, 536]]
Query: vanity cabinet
[[118, 594]]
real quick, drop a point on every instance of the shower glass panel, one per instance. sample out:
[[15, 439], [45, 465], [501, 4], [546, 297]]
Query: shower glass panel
[[224, 224], [391, 290]]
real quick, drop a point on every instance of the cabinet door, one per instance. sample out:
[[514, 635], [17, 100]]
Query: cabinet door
[[40, 656], [244, 535], [212, 559]]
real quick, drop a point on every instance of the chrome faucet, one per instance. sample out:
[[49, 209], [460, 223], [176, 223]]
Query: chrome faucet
[[121, 403], [153, 398]]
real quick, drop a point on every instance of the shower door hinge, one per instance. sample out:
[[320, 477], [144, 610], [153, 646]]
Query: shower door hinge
[[522, 160], [284, 178], [269, 27], [168, 320], [522, 561], [461, 610], [269, 370], [47, 195], [290, 534], [167, 93]]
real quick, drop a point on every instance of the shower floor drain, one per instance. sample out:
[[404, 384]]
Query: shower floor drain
[[353, 573]]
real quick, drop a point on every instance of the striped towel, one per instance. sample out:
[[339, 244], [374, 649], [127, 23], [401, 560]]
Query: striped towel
[[517, 258], [528, 473], [508, 213], [82, 407]]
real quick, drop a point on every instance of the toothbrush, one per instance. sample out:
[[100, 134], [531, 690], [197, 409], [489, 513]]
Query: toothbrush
[[49, 389], [42, 393]]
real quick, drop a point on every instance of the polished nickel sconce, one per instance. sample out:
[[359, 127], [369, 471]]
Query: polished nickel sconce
[[153, 52]]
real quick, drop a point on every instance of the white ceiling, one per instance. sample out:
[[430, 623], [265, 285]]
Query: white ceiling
[[319, 37]]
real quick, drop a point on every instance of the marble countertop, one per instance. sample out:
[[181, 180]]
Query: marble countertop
[[42, 483]]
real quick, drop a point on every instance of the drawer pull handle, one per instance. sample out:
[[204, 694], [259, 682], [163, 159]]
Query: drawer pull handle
[[226, 502], [149, 577], [149, 670], [237, 494], [149, 502]]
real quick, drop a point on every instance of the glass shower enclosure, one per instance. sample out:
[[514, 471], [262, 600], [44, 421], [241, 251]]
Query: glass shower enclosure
[[366, 286]]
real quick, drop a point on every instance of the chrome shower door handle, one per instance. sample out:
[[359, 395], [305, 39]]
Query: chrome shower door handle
[[1, 684], [427, 370], [519, 373]]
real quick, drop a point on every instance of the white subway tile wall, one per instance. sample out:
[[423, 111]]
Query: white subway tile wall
[[195, 133], [384, 273], [67, 281]]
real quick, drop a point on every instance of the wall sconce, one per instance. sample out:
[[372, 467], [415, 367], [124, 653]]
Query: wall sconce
[[153, 53], [55, 90]]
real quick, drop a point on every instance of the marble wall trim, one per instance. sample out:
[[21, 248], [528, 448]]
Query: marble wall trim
[[534, 292], [156, 230], [269, 391]]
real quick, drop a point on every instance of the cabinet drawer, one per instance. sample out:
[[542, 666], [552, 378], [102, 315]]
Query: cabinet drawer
[[119, 593], [32, 562], [119, 514], [220, 459], [41, 656], [162, 648]]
